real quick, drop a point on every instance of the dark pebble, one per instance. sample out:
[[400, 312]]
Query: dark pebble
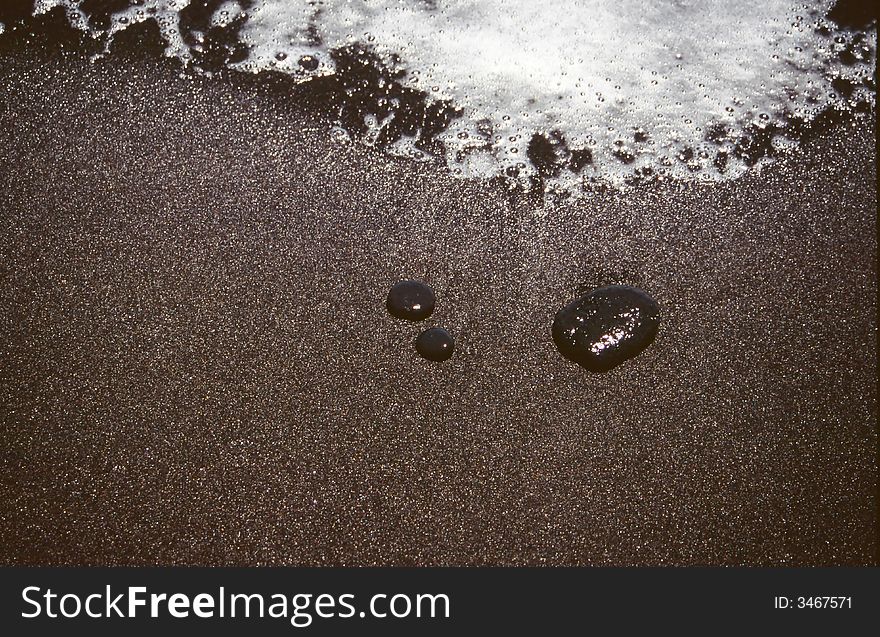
[[435, 344], [606, 327], [410, 300]]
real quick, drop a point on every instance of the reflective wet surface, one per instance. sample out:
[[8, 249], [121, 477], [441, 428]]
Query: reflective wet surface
[[198, 367], [606, 327]]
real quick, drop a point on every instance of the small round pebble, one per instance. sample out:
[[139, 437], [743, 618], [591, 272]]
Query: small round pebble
[[410, 300], [435, 344], [606, 327]]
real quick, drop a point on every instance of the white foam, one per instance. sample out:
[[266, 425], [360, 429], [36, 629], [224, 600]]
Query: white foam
[[594, 70]]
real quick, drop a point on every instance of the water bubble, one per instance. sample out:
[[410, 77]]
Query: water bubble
[[308, 62]]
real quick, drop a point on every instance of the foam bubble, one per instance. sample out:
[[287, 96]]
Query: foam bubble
[[597, 89]]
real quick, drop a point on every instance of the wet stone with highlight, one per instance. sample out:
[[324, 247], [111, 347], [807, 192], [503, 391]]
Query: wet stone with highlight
[[606, 327], [435, 344], [410, 300]]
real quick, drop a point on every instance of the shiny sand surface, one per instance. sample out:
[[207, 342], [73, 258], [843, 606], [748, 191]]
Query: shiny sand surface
[[198, 366]]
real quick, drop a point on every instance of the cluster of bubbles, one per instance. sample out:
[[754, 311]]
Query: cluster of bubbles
[[565, 93]]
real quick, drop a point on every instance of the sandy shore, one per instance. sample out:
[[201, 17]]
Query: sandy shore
[[198, 367]]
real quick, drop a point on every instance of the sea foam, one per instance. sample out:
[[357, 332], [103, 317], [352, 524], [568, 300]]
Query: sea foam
[[572, 91]]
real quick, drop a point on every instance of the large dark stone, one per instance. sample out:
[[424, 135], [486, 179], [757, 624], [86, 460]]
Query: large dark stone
[[606, 327]]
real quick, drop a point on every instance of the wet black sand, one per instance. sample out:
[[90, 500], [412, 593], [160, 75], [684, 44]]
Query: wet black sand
[[198, 366]]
